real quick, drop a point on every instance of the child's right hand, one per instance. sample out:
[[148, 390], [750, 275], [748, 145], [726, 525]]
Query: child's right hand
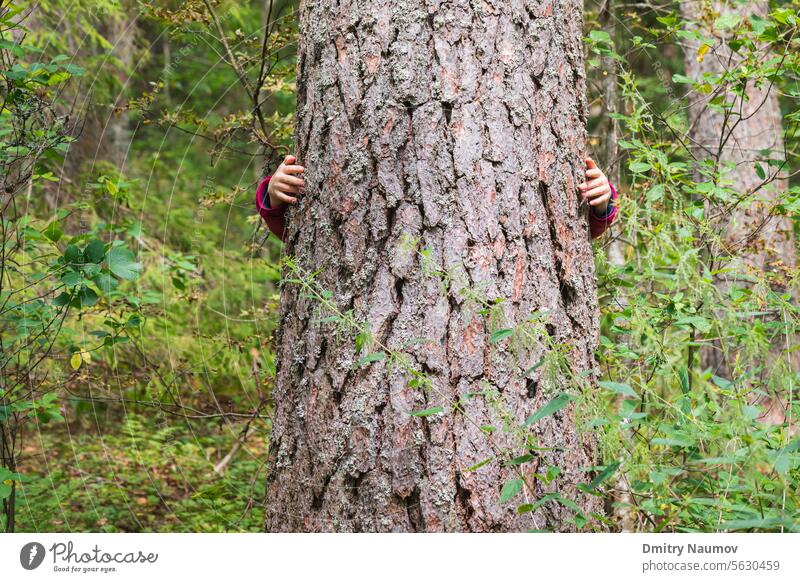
[[284, 183]]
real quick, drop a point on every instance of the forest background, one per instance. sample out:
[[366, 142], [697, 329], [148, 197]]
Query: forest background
[[140, 291]]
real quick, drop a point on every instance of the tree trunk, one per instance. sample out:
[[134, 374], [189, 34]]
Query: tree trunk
[[753, 241], [608, 19], [443, 143]]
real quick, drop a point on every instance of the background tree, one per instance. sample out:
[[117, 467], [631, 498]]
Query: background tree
[[443, 142]]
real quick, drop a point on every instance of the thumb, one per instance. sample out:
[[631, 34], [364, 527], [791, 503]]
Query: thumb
[[289, 160], [590, 165]]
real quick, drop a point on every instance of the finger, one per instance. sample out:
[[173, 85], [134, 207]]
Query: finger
[[294, 169], [594, 173], [592, 183], [289, 160], [292, 181], [600, 200], [285, 198], [290, 189], [590, 165], [595, 192]]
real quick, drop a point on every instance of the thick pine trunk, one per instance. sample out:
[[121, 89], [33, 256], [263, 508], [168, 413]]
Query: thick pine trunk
[[752, 239], [456, 127]]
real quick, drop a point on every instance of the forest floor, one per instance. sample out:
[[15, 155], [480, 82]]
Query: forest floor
[[134, 476]]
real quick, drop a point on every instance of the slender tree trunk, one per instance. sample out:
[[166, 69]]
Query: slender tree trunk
[[608, 19], [751, 238], [622, 506], [611, 146], [442, 142]]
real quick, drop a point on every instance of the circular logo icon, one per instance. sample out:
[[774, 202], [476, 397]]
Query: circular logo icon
[[31, 555]]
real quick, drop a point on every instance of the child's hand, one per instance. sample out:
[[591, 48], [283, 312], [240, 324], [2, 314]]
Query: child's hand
[[595, 190], [285, 182]]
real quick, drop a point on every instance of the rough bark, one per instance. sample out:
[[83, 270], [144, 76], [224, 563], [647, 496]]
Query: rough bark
[[461, 126], [752, 239]]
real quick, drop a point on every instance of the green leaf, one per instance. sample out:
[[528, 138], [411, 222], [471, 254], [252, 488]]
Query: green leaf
[[535, 367], [71, 278], [105, 282], [53, 231], [376, 357], [122, 263], [62, 300], [783, 457], [87, 297], [74, 69], [500, 335], [556, 404], [95, 251], [727, 21], [639, 167], [427, 411], [73, 255], [623, 389], [91, 270], [721, 382], [681, 79], [603, 475], [683, 375], [477, 466], [600, 36], [510, 489], [521, 460], [655, 193], [671, 442]]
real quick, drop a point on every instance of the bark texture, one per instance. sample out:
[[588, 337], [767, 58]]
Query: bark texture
[[458, 127], [752, 238]]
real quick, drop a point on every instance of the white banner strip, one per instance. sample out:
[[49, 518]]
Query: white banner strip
[[408, 557]]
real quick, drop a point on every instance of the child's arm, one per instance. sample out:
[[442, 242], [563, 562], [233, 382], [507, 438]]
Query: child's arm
[[276, 191], [597, 191], [602, 198]]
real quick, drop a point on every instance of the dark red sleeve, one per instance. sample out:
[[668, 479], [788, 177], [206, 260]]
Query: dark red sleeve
[[599, 224], [274, 217]]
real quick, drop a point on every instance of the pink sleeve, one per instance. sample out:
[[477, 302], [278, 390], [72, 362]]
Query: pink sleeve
[[598, 225], [274, 217]]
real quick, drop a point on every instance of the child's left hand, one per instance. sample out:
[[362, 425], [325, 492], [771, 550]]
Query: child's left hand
[[595, 190]]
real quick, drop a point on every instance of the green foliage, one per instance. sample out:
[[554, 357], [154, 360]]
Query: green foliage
[[137, 313], [148, 475], [140, 302], [690, 448]]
